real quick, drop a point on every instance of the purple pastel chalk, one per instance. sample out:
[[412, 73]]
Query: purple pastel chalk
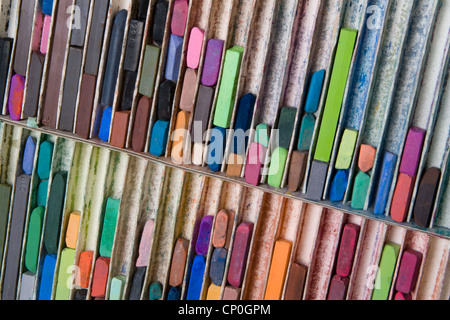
[[204, 234], [213, 58], [16, 97], [412, 151], [28, 155]]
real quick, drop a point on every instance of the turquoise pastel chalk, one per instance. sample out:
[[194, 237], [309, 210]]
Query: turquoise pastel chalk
[[306, 132], [196, 278], [45, 159], [385, 182], [174, 294], [360, 188], [159, 137], [46, 283], [155, 291], [339, 185], [314, 92], [105, 124], [28, 155], [42, 193], [174, 58], [216, 148], [117, 286]]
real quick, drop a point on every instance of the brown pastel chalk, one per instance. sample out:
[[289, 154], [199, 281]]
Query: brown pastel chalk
[[145, 245], [408, 271], [120, 128], [366, 157], [338, 288], [84, 116], [100, 277], [347, 248], [231, 294], [178, 262], [179, 135], [402, 197], [72, 230], [85, 267], [220, 229], [140, 127], [295, 282], [297, 170], [34, 85], [234, 165], [188, 94], [426, 196]]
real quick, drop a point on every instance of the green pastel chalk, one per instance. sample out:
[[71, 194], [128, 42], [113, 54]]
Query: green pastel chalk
[[385, 272], [335, 95], [149, 70], [5, 200], [34, 239], [262, 134], [155, 291], [65, 275], [117, 286], [286, 126], [42, 193], [45, 160], [306, 132], [228, 85], [109, 227], [277, 165], [360, 189], [346, 149]]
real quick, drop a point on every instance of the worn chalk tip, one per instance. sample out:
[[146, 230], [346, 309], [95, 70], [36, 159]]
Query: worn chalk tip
[[339, 186], [155, 291]]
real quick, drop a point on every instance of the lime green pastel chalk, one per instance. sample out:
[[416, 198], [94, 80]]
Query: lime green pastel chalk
[[385, 272], [262, 134], [109, 227], [346, 149], [116, 289], [360, 189], [65, 274], [149, 70], [228, 85], [277, 165], [335, 95], [34, 239]]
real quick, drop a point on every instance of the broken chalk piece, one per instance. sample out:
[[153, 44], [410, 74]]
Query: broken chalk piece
[[145, 245], [286, 126], [155, 291], [314, 91], [105, 125], [15, 101], [117, 287], [139, 136], [402, 197], [187, 100], [339, 186], [347, 249], [196, 278], [178, 262], [426, 196], [360, 189], [174, 58], [277, 165], [386, 271], [412, 151], [220, 229], [408, 271], [217, 265], [34, 239], [28, 155], [194, 49], [239, 254], [100, 277], [149, 69], [254, 164], [338, 288], [278, 269], [297, 170], [213, 292], [65, 277], [84, 268], [120, 129], [295, 282], [159, 137], [72, 230], [204, 235], [366, 157], [179, 17], [213, 59], [306, 132], [109, 227], [346, 149]]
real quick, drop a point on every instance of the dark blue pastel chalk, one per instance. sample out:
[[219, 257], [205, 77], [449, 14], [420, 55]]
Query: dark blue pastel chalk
[[217, 267], [105, 126], [48, 271], [28, 155], [306, 132], [47, 7], [196, 278], [42, 194], [174, 57], [216, 148], [159, 137], [314, 92], [243, 122], [174, 294], [385, 182], [339, 186]]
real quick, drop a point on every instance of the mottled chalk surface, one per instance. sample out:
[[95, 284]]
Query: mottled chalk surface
[[418, 242]]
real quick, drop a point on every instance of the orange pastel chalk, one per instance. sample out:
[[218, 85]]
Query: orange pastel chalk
[[220, 230], [366, 157], [402, 197], [85, 267], [72, 230], [278, 269], [179, 135]]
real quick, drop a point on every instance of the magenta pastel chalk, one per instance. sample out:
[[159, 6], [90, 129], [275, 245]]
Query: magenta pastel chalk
[[16, 97], [179, 17], [204, 235], [45, 34], [347, 249], [408, 271], [211, 66], [194, 50], [412, 151], [254, 164]]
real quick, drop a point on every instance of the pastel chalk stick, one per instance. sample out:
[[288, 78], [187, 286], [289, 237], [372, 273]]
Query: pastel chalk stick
[[385, 181], [15, 100], [155, 291], [295, 282], [347, 249], [159, 24], [239, 254], [45, 159], [113, 60], [117, 287], [277, 165], [173, 59], [80, 295], [213, 59], [262, 134], [333, 104], [213, 292], [204, 235], [139, 135], [85, 268], [65, 278], [145, 245], [95, 41], [23, 37], [179, 17], [34, 85], [100, 277], [27, 286], [402, 197], [28, 155], [195, 47], [201, 114], [386, 271], [316, 182], [366, 157], [412, 151], [174, 294], [228, 86], [129, 86], [339, 186], [34, 239], [402, 296], [278, 270], [408, 271], [55, 212], [5, 201], [16, 230], [338, 288], [134, 43], [178, 262], [244, 115], [217, 266], [73, 227], [159, 137], [187, 99], [360, 189], [70, 94], [216, 148], [149, 69], [314, 91], [231, 294], [105, 125], [426, 196], [235, 164], [42, 193], [306, 132], [197, 153], [297, 169], [165, 100], [78, 35], [47, 275], [137, 283], [120, 129], [219, 237], [47, 7], [87, 93], [45, 35], [5, 59], [196, 278], [286, 126], [109, 226], [256, 155], [143, 9], [346, 149]]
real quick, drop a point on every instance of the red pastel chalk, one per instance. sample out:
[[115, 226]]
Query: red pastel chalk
[[408, 271], [179, 17], [338, 288], [412, 151], [194, 50], [255, 160], [16, 97], [402, 296], [402, 197], [347, 249], [100, 278], [239, 254]]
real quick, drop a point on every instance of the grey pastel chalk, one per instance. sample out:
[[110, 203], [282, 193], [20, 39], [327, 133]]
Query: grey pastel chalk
[[316, 182]]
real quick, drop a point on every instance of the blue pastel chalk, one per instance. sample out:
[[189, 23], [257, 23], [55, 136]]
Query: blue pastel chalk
[[174, 57], [42, 193], [105, 126], [46, 283], [159, 137], [217, 267], [174, 294], [216, 148], [28, 155], [306, 132], [385, 182], [339, 186], [314, 92], [47, 7], [196, 278], [244, 117]]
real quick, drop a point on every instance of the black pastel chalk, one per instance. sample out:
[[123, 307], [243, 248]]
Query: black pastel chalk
[[95, 41], [134, 45], [79, 32], [426, 196], [128, 90], [165, 100], [159, 21], [81, 294], [201, 114], [137, 284], [113, 61], [5, 57], [34, 84], [143, 8]]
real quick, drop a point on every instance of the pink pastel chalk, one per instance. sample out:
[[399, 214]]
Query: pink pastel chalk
[[412, 151], [15, 100], [146, 244], [254, 164], [37, 32], [179, 17], [195, 48], [408, 271], [347, 249], [45, 34]]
